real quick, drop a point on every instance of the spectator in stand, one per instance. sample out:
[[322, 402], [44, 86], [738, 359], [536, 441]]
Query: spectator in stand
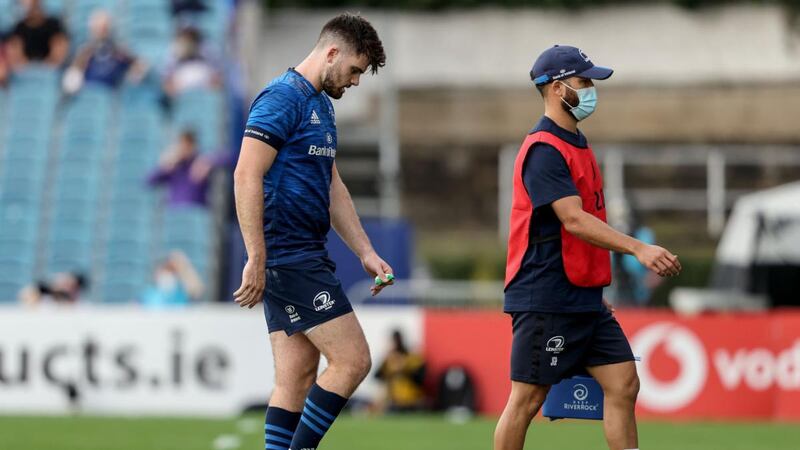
[[175, 283], [37, 38], [403, 372], [65, 288], [185, 172], [102, 60], [190, 67], [632, 284]]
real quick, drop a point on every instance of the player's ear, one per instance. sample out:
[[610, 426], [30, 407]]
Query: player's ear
[[333, 52]]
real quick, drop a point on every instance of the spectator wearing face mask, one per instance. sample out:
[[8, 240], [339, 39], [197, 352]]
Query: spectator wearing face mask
[[37, 38], [102, 60], [176, 283], [191, 67]]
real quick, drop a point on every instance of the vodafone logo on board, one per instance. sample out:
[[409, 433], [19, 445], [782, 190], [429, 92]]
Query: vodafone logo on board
[[694, 366], [686, 349]]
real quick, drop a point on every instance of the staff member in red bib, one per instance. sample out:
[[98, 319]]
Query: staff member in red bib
[[558, 261]]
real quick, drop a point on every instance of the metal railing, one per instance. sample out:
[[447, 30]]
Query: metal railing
[[715, 199]]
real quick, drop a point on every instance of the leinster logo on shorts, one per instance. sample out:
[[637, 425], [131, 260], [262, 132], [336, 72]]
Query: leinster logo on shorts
[[323, 301], [555, 344]]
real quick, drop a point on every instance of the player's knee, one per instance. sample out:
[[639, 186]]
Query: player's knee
[[625, 390], [361, 365], [528, 401], [632, 390], [354, 367], [306, 378]]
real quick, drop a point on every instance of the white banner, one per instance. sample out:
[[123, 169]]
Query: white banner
[[212, 360]]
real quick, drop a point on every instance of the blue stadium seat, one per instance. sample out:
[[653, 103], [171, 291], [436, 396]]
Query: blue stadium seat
[[20, 192], [10, 13], [69, 255], [17, 250], [200, 110], [121, 290], [14, 276]]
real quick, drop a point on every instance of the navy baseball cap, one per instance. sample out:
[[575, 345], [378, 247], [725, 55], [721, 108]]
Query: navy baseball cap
[[564, 61]]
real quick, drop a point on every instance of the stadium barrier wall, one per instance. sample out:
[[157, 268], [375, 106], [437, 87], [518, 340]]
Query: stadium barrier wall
[[727, 366], [215, 360], [201, 361]]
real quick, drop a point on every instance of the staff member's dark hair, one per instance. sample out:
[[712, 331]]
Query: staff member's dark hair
[[357, 33]]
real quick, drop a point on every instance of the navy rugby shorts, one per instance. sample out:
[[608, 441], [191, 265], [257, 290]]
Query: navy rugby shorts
[[301, 296]]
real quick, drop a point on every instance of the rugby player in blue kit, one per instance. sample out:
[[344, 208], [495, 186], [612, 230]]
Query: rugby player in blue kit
[[288, 195]]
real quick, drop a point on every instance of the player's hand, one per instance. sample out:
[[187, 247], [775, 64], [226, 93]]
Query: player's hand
[[254, 279], [376, 267], [659, 260], [609, 306]]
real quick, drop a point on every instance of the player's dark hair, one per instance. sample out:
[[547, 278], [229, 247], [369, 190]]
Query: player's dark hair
[[359, 35], [540, 88]]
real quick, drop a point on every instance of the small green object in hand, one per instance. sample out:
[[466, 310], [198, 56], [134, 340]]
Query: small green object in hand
[[379, 282]]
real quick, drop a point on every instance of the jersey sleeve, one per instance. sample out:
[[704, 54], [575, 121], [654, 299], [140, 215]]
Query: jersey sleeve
[[274, 115], [546, 175]]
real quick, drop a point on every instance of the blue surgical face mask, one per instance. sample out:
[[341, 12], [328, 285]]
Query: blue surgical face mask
[[587, 102]]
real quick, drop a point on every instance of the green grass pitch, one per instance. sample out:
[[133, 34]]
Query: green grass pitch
[[384, 433]]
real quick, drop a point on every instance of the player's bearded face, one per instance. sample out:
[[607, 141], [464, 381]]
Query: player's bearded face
[[336, 80]]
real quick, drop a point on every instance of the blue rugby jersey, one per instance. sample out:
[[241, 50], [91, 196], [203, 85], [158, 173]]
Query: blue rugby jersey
[[299, 122]]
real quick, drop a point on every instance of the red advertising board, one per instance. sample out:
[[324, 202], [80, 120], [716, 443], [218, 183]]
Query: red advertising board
[[722, 366]]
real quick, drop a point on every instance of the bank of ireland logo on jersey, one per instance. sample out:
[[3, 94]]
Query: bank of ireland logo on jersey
[[329, 138], [323, 301], [294, 316], [314, 118]]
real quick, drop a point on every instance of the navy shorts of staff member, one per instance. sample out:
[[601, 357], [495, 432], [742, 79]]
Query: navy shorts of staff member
[[288, 195]]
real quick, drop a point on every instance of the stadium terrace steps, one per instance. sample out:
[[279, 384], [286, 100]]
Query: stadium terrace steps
[[64, 209], [30, 110]]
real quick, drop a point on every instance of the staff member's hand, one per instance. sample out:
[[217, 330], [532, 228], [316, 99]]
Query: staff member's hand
[[659, 260], [254, 279]]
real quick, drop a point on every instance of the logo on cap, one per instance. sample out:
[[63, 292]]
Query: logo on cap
[[583, 55]]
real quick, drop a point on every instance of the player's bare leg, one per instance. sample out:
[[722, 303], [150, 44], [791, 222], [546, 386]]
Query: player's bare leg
[[620, 384], [523, 404], [343, 344], [296, 363]]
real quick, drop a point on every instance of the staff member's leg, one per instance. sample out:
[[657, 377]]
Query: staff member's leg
[[296, 363], [342, 342], [523, 405], [545, 349], [610, 362]]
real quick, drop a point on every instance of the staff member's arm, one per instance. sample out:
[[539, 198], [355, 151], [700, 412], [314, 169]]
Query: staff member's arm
[[593, 230], [344, 220], [255, 159]]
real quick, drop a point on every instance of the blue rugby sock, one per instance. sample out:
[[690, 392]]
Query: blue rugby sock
[[321, 409], [279, 426]]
